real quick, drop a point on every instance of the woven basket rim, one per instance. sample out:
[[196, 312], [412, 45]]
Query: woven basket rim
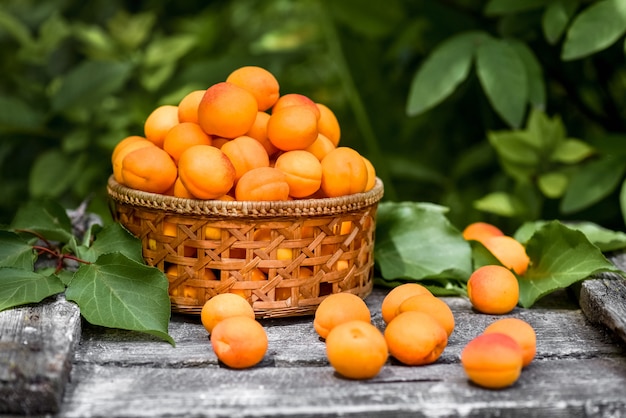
[[238, 208]]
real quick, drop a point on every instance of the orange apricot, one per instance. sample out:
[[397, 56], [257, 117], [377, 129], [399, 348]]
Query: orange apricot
[[493, 289], [371, 175], [292, 127], [510, 252], [320, 147], [119, 147], [480, 231], [245, 153], [188, 106], [263, 183], [227, 110], [343, 172], [222, 306], [258, 131], [239, 341], [121, 150], [356, 349], [521, 331], [296, 99], [206, 172], [397, 295], [159, 122], [415, 338], [493, 361], [182, 136], [328, 124], [149, 169], [258, 81], [432, 306], [181, 191], [338, 308], [303, 171]]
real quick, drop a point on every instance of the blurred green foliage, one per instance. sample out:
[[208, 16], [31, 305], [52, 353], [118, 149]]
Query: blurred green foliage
[[504, 111]]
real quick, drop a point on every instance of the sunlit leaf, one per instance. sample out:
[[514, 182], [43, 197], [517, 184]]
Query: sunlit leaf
[[594, 29], [19, 287], [553, 184], [500, 203], [572, 151], [442, 72]]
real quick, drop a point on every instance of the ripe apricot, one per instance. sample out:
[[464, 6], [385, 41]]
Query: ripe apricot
[[521, 331], [239, 341], [258, 81], [356, 349], [432, 306], [343, 172], [206, 172], [492, 361], [159, 122], [188, 106], [149, 169], [320, 147], [263, 183], [493, 289], [371, 175], [224, 305], [124, 143], [245, 153], [328, 125], [510, 252], [258, 131], [303, 172], [415, 338], [338, 308], [296, 99], [121, 150], [397, 295], [182, 136], [227, 110], [480, 231], [181, 191], [292, 127]]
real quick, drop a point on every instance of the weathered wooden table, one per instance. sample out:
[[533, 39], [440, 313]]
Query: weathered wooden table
[[52, 364]]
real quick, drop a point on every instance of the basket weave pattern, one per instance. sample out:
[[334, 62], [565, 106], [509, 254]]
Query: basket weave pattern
[[306, 249]]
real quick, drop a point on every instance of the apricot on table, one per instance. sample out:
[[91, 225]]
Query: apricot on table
[[493, 289], [492, 360]]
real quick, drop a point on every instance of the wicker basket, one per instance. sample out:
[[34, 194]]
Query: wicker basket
[[305, 249]]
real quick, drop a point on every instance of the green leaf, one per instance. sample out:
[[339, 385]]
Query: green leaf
[[168, 50], [534, 74], [572, 151], [90, 83], [594, 29], [481, 256], [17, 115], [442, 72], [54, 172], [372, 19], [553, 184], [46, 218], [603, 238], [559, 257], [131, 30], [622, 200], [15, 252], [503, 7], [19, 287], [500, 203], [118, 292], [415, 241], [518, 154], [503, 77], [592, 183], [556, 17], [115, 238]]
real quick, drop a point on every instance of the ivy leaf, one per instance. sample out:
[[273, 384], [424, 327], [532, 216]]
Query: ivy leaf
[[15, 252], [560, 256], [503, 77], [114, 238], [594, 29], [19, 287], [415, 241], [46, 218], [118, 292], [603, 238], [442, 72]]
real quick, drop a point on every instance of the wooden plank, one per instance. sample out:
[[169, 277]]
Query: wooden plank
[[603, 299], [36, 348]]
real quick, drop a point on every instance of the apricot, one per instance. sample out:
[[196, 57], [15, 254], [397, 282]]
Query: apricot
[[356, 349], [292, 127], [222, 306], [493, 289], [206, 172], [239, 341], [371, 175], [149, 169], [188, 106], [343, 172], [159, 122], [338, 308], [296, 99], [126, 146], [183, 136], [320, 147], [227, 110], [492, 360], [415, 338], [258, 81], [258, 131], [521, 331], [328, 125], [431, 305], [397, 295], [510, 252], [263, 183], [302, 170], [245, 153], [480, 231]]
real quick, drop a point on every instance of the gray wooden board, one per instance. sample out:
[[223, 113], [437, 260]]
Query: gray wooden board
[[36, 348]]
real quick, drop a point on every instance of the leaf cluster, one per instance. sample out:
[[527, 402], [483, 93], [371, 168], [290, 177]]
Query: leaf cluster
[[102, 271]]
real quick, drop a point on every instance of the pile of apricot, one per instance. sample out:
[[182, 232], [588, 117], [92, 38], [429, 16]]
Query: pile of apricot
[[240, 139]]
